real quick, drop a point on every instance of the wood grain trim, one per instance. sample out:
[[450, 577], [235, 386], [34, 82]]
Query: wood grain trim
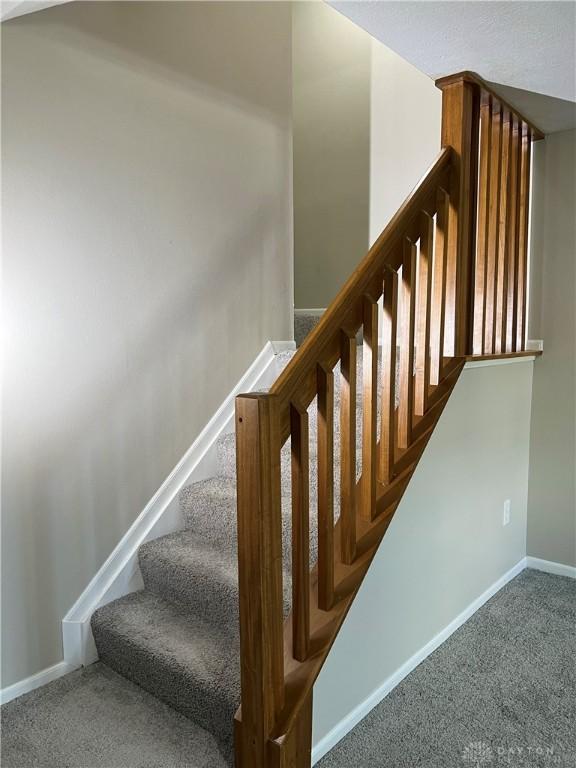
[[439, 287], [501, 268], [325, 488], [460, 131], [505, 355], [509, 330], [387, 445], [259, 572], [493, 232], [474, 79], [423, 312], [481, 280], [524, 205], [407, 323], [369, 407], [348, 446], [300, 532]]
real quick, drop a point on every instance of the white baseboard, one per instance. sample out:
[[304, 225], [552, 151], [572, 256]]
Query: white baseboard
[[35, 681], [558, 569], [353, 718], [359, 713], [283, 346], [120, 574]]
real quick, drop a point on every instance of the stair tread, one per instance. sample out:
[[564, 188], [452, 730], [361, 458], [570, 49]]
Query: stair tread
[[179, 637], [190, 664]]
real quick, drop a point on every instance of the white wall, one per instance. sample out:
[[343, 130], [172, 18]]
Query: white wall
[[552, 490], [446, 544], [146, 166]]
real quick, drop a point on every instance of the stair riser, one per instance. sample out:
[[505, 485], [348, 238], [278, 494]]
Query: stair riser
[[173, 683], [206, 589]]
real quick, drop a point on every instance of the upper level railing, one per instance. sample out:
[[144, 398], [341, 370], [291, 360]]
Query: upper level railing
[[495, 144], [446, 279]]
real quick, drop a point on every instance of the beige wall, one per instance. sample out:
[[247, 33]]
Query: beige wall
[[366, 129], [147, 259], [552, 497], [446, 544], [331, 150], [405, 122]]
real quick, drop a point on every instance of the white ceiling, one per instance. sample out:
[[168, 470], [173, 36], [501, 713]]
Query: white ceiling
[[525, 45]]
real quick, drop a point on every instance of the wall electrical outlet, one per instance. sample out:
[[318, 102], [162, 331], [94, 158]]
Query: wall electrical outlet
[[506, 513]]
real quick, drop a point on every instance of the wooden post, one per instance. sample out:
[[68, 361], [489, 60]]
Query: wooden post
[[460, 130], [260, 575], [295, 749]]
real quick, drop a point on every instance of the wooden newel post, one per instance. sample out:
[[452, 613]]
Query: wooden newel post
[[460, 130], [260, 576]]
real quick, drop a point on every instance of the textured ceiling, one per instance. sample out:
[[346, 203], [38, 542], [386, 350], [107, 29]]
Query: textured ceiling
[[528, 46]]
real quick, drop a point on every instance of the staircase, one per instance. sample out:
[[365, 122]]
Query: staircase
[[243, 604], [178, 638]]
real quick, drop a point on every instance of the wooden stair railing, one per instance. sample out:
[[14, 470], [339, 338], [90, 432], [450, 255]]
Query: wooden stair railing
[[450, 271]]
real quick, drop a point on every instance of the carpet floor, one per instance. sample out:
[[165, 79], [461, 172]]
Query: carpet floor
[[500, 692], [94, 718]]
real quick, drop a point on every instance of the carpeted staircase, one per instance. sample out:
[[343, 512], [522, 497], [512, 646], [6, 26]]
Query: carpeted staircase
[[178, 638]]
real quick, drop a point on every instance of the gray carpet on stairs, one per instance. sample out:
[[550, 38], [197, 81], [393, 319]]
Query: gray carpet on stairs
[[178, 637], [502, 687], [303, 324]]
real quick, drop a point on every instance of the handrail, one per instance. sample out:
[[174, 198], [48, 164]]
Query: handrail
[[381, 253], [450, 270]]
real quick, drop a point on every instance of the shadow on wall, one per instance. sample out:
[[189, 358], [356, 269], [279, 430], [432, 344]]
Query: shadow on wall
[[172, 43], [548, 113], [157, 265], [90, 467]]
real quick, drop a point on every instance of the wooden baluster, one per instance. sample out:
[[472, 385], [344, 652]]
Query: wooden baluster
[[501, 271], [348, 446], [423, 314], [259, 573], [481, 271], [369, 407], [509, 321], [300, 533], [389, 356], [325, 383], [524, 205], [492, 236], [439, 287], [407, 311]]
